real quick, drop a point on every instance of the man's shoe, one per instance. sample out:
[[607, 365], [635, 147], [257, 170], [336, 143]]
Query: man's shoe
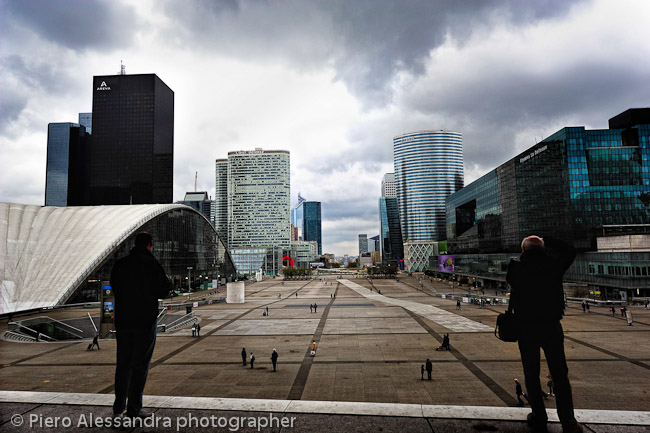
[[141, 414], [537, 426], [575, 428]]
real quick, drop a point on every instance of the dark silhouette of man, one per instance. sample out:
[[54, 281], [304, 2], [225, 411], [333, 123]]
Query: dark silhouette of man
[[243, 356], [429, 368], [274, 359], [138, 281], [538, 303]]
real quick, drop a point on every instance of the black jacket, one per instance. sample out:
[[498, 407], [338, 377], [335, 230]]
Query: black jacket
[[536, 279], [138, 281]]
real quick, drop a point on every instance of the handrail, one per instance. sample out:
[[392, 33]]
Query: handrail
[[93, 322], [17, 336], [180, 325], [179, 319], [62, 325], [38, 334]]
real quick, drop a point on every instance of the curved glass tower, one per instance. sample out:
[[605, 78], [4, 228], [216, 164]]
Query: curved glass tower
[[428, 168]]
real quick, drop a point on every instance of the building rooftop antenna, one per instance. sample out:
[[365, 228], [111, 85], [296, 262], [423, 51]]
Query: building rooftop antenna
[[122, 68]]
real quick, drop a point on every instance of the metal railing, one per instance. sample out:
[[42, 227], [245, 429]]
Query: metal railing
[[33, 334], [179, 323]]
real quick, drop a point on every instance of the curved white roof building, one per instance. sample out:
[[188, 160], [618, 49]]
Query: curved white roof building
[[47, 253]]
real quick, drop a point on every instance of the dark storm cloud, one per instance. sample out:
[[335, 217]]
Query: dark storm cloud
[[75, 24], [367, 41]]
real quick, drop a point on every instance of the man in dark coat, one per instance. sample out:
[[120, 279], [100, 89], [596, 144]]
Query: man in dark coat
[[243, 356], [538, 303], [429, 368], [138, 281], [274, 359]]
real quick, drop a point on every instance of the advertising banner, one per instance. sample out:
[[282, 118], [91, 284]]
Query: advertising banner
[[446, 264]]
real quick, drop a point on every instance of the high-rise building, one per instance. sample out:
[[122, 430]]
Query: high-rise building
[[221, 199], [391, 244], [66, 169], [200, 201], [590, 188], [388, 185], [363, 244], [297, 217], [428, 167], [258, 198], [132, 158], [86, 120], [306, 218]]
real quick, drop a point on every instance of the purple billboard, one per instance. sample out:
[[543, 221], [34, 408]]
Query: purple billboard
[[446, 264]]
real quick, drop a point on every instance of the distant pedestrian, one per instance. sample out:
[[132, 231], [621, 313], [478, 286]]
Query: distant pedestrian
[[296, 294], [243, 356], [613, 310], [551, 386], [458, 306], [252, 360], [198, 329], [519, 392], [95, 342], [331, 296], [422, 371], [584, 306], [311, 308], [628, 316], [429, 368], [313, 347], [623, 312], [267, 311], [315, 307], [587, 305], [194, 330], [274, 359]]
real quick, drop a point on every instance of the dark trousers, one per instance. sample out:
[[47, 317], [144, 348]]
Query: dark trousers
[[134, 351], [429, 374], [275, 364], [550, 337], [243, 360]]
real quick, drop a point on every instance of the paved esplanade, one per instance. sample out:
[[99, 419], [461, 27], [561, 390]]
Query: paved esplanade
[[370, 349]]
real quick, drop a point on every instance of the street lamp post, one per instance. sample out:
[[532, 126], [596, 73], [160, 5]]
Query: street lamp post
[[189, 282]]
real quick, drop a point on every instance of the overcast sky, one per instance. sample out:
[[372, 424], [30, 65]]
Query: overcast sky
[[331, 81]]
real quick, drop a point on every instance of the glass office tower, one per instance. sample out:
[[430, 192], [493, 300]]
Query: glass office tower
[[311, 223], [391, 244], [428, 168], [589, 188], [66, 173], [132, 159], [221, 199]]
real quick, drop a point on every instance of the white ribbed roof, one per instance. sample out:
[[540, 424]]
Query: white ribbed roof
[[45, 252]]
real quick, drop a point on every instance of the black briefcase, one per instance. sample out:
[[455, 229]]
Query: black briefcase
[[507, 328]]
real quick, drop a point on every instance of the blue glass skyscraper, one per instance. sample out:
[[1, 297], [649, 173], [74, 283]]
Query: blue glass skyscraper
[[66, 175], [428, 168], [311, 223]]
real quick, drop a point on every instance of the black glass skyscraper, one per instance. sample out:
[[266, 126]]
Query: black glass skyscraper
[[132, 158], [312, 223]]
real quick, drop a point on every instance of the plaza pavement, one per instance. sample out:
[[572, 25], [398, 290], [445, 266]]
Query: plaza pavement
[[370, 349]]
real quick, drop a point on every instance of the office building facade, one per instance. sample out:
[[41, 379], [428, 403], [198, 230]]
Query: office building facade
[[363, 244], [258, 198], [220, 221], [66, 176], [200, 201], [390, 237], [428, 168], [577, 185], [388, 185], [311, 224], [132, 158]]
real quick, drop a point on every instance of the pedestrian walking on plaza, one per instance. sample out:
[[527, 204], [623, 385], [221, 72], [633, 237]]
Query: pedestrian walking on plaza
[[624, 311], [198, 329], [551, 387], [95, 342], [429, 368], [613, 310], [252, 360], [584, 306], [315, 307], [519, 392], [422, 371], [538, 304], [194, 330], [267, 311], [313, 347], [458, 307], [243, 356], [274, 359], [138, 281], [587, 305], [311, 308], [628, 316]]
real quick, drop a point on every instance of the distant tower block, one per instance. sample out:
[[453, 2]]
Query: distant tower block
[[235, 293]]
